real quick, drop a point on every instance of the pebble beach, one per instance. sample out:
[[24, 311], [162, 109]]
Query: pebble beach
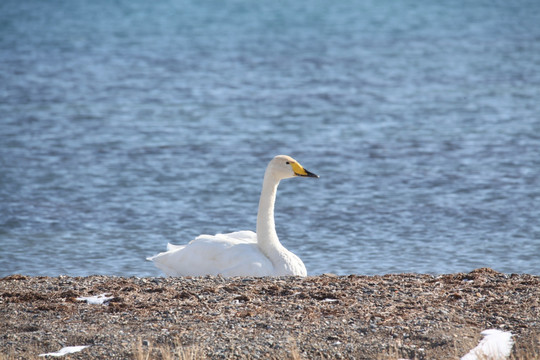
[[397, 316]]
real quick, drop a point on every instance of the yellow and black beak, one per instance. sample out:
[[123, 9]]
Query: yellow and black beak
[[300, 171]]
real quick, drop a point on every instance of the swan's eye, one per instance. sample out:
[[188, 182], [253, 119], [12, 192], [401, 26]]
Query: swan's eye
[[288, 163]]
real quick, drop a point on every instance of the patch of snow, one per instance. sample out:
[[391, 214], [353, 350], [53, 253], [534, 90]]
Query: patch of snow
[[66, 350], [496, 345], [97, 299]]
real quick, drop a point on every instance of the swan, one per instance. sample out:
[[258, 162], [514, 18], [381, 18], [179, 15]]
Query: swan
[[241, 253]]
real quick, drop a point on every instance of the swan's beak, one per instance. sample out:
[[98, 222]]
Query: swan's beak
[[300, 171], [309, 174]]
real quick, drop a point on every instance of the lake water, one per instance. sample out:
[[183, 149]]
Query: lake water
[[125, 125]]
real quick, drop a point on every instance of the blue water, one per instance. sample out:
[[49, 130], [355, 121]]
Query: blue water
[[125, 125]]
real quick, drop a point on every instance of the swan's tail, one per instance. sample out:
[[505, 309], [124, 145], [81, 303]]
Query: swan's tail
[[166, 261], [496, 345]]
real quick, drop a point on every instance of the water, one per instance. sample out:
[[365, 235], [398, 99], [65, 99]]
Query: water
[[129, 124]]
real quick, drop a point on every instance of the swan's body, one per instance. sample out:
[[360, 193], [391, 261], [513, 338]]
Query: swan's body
[[496, 345], [242, 253]]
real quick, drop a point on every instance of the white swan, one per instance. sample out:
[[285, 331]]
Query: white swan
[[242, 253], [496, 345]]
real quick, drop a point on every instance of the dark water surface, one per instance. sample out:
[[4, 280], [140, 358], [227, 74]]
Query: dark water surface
[[125, 125]]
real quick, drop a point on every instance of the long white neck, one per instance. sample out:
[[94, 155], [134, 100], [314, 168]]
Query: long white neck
[[266, 230]]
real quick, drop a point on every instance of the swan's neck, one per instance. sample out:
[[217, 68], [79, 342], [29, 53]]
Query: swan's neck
[[266, 229]]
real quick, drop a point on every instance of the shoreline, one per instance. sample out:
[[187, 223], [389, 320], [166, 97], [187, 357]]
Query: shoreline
[[412, 316]]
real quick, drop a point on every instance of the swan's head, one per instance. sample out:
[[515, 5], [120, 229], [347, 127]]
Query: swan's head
[[284, 167]]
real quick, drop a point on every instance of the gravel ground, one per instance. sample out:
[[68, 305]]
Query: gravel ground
[[324, 317]]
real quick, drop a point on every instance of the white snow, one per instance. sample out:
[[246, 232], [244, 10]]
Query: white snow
[[496, 345], [97, 299], [66, 350]]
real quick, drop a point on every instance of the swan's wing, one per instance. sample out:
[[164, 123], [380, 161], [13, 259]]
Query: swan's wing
[[233, 254], [171, 247]]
